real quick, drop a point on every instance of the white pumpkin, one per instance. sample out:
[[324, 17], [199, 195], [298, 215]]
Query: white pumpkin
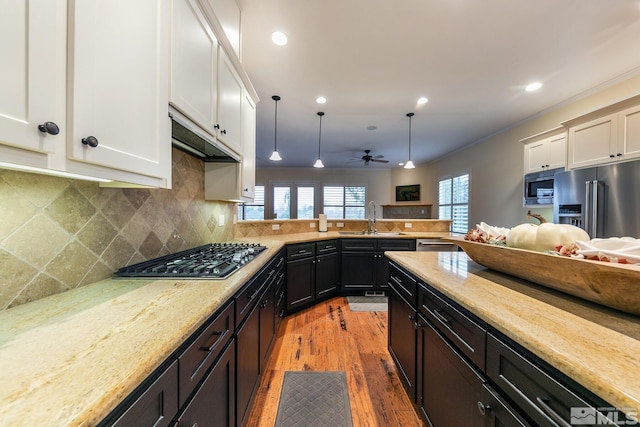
[[544, 237]]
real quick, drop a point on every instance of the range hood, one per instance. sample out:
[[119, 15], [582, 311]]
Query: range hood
[[189, 138]]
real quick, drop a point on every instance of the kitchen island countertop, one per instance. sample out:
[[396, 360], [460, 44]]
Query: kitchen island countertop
[[597, 347], [69, 359]]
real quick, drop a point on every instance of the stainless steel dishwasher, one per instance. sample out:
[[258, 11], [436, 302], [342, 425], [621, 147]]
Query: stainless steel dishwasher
[[435, 245]]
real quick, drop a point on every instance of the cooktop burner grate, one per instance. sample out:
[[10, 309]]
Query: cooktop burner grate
[[211, 261]]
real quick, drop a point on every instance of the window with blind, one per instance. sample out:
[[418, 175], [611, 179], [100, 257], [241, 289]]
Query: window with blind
[[344, 202], [254, 210], [453, 202], [305, 202]]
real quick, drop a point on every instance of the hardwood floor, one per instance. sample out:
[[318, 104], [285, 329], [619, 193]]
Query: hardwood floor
[[330, 337]]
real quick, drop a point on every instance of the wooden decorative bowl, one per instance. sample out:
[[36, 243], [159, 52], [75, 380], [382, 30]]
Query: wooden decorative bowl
[[610, 284]]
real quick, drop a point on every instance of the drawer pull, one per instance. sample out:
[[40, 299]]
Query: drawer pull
[[440, 317], [254, 294], [218, 335], [551, 413]]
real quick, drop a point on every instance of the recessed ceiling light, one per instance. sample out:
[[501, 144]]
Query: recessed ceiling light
[[423, 100], [279, 38], [321, 100], [532, 87], [372, 127]]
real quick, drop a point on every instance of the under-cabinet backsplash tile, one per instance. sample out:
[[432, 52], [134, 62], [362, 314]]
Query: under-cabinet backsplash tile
[[57, 234]]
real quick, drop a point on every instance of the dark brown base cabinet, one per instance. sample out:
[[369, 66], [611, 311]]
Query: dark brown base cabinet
[[214, 403], [312, 273], [403, 340], [364, 266], [448, 380]]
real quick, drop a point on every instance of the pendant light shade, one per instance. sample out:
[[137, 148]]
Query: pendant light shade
[[318, 163], [409, 164], [275, 156]]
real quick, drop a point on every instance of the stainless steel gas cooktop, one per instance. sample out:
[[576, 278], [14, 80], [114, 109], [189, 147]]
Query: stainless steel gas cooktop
[[211, 261]]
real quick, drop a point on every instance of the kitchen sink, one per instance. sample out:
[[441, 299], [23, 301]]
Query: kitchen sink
[[351, 233], [390, 233]]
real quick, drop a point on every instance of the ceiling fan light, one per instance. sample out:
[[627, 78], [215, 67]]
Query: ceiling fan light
[[409, 165], [275, 156], [318, 164]]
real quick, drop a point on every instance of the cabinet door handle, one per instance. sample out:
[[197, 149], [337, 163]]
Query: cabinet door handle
[[223, 131], [254, 294], [216, 126], [550, 412], [49, 127], [440, 317], [218, 335], [91, 141]]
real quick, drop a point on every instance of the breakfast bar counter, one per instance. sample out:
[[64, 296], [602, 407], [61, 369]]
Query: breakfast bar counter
[[597, 347]]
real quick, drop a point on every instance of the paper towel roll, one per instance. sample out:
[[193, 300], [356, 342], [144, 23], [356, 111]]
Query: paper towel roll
[[322, 226]]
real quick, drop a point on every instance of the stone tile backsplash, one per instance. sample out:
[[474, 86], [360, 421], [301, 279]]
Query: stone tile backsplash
[[57, 234]]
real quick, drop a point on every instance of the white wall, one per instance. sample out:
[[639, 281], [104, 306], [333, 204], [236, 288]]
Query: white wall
[[496, 165]]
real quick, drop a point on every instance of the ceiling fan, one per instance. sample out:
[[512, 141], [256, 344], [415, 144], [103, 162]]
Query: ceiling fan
[[369, 158]]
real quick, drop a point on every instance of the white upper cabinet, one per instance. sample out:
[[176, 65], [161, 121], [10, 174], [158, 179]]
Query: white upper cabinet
[[32, 84], [205, 86], [248, 172], [119, 74], [605, 136], [230, 89], [629, 132], [227, 13], [593, 142], [194, 65], [545, 151]]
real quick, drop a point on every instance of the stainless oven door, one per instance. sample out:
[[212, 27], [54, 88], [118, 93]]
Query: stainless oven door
[[435, 245]]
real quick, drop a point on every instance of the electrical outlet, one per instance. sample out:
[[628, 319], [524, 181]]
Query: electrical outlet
[[275, 226], [312, 225], [340, 224], [220, 220], [408, 225], [329, 224]]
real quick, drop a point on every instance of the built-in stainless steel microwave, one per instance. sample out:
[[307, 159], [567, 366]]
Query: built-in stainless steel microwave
[[538, 188]]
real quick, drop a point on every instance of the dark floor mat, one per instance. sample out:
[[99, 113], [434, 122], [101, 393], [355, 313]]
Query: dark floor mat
[[317, 399]]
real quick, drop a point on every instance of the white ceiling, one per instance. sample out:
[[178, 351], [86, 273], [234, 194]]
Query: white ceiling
[[372, 59]]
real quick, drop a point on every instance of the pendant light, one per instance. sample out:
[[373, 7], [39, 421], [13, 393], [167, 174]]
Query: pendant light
[[318, 163], [409, 164], [275, 156]]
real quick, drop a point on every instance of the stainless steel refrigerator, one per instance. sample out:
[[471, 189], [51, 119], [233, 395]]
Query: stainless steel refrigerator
[[604, 201]]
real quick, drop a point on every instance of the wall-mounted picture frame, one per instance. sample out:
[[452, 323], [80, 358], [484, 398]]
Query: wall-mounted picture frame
[[408, 193]]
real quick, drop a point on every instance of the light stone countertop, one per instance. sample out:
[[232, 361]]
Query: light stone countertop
[[596, 346], [69, 359]]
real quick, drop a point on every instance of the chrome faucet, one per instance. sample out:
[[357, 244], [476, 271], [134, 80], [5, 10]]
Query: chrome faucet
[[371, 220]]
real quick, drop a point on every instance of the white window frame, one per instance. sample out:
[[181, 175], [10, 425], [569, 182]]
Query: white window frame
[[455, 227], [293, 202], [344, 197]]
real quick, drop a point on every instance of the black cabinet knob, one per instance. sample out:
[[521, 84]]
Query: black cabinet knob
[[483, 408], [216, 126], [611, 155], [91, 141], [619, 154], [49, 127], [223, 131]]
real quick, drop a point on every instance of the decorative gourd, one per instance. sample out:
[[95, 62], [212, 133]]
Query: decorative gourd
[[544, 237]]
